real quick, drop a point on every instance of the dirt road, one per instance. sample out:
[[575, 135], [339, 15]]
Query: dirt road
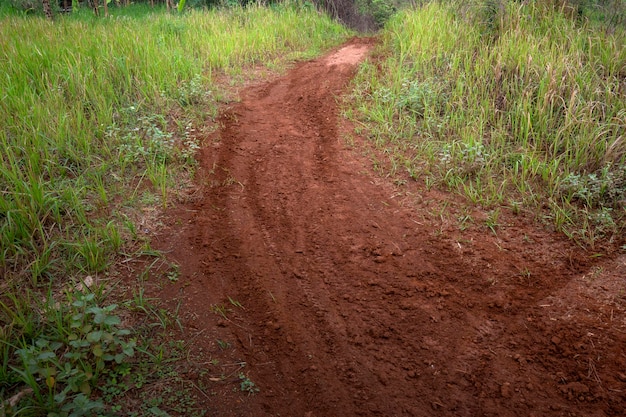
[[347, 295]]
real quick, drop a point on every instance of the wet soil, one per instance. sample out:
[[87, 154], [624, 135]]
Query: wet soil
[[341, 293]]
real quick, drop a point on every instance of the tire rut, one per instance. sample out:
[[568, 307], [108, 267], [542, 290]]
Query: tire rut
[[354, 304]]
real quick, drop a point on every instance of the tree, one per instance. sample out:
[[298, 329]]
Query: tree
[[47, 9]]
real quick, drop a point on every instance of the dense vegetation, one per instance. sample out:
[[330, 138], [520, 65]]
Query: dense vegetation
[[521, 104], [83, 117], [99, 123]]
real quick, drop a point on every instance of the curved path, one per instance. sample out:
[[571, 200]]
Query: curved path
[[347, 296]]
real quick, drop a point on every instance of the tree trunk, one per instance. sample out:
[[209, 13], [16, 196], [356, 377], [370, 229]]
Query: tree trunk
[[47, 9]]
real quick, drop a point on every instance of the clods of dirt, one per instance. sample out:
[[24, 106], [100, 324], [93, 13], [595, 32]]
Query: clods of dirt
[[334, 293]]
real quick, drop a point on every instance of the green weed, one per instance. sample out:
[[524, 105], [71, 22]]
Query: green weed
[[63, 354], [246, 385]]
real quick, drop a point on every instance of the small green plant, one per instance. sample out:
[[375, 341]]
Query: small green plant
[[596, 189], [516, 207], [246, 385], [193, 92], [66, 356], [416, 97], [464, 221], [526, 276], [173, 274], [235, 303], [492, 220], [220, 309], [223, 344]]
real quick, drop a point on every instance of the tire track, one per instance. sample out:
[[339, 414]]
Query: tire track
[[354, 303]]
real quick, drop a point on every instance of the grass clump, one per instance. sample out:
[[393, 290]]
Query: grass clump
[[506, 102]]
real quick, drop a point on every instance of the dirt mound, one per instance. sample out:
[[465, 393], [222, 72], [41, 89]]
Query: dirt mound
[[344, 295]]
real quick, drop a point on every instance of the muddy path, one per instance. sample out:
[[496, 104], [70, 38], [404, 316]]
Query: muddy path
[[345, 295]]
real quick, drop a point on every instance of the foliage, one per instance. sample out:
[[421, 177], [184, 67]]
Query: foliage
[[506, 101], [86, 125], [68, 356], [64, 350], [350, 13], [27, 6], [611, 13], [380, 10], [598, 189], [246, 385]]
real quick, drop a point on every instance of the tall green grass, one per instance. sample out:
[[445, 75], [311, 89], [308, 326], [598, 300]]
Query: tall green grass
[[98, 119], [86, 118], [508, 103]]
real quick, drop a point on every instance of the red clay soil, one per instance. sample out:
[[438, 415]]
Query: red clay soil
[[339, 293]]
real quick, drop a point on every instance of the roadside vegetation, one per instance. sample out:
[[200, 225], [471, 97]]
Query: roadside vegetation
[[512, 104], [100, 119]]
